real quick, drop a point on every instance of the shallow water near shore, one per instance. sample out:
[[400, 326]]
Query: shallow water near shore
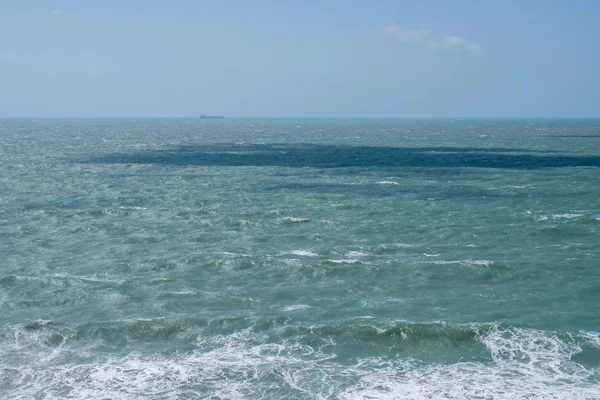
[[299, 258]]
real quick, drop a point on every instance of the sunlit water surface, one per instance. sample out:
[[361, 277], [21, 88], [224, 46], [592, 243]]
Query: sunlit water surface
[[300, 259]]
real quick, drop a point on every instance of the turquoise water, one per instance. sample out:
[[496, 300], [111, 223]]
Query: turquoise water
[[300, 259]]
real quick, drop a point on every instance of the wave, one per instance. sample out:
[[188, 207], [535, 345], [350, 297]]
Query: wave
[[345, 261], [295, 220], [355, 254], [269, 360], [305, 253]]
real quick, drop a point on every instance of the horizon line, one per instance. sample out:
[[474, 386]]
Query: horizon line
[[309, 117]]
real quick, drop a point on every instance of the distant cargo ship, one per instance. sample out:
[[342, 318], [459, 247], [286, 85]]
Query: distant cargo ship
[[210, 116]]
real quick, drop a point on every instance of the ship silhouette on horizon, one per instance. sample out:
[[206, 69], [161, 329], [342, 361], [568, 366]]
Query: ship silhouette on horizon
[[204, 116]]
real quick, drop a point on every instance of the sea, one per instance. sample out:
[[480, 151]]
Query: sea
[[300, 259]]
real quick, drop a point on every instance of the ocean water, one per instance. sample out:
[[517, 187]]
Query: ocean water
[[299, 259]]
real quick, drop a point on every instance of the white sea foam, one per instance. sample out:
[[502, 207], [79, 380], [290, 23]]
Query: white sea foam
[[479, 262], [463, 262], [296, 219], [88, 278], [159, 280], [184, 292], [524, 364], [295, 307], [227, 253], [591, 338], [303, 253], [443, 262], [387, 183], [527, 364], [355, 254], [566, 216], [345, 261]]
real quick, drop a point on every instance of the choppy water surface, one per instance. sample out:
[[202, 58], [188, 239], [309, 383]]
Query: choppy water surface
[[301, 259]]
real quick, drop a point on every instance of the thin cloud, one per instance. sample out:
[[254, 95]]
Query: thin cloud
[[405, 34], [425, 38]]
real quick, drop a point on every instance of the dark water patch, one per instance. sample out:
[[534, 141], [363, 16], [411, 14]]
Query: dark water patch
[[339, 156]]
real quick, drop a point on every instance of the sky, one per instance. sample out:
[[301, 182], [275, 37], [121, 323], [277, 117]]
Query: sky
[[327, 58]]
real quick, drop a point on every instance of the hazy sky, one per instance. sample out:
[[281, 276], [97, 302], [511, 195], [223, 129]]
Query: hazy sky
[[300, 58]]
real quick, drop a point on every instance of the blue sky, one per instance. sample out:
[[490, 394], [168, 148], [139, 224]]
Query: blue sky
[[300, 58]]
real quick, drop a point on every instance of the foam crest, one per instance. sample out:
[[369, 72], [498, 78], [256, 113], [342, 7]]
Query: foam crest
[[591, 338], [295, 307], [296, 220], [355, 254], [526, 364], [466, 263], [566, 216], [345, 261], [304, 253], [247, 364]]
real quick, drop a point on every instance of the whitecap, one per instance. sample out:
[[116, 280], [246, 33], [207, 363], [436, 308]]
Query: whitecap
[[159, 280], [463, 262], [184, 292], [355, 254], [304, 253], [443, 262], [566, 216], [296, 219], [345, 261], [230, 254], [479, 262], [527, 365], [295, 307], [523, 364], [387, 183], [592, 338]]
